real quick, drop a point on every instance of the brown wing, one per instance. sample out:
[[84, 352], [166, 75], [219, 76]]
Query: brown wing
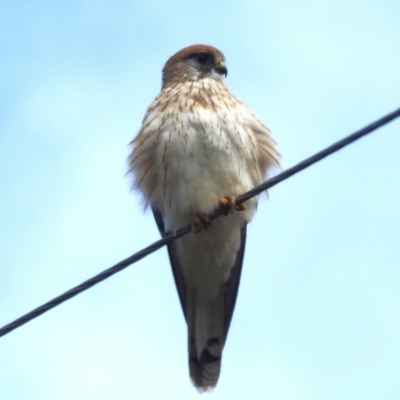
[[232, 285], [175, 264]]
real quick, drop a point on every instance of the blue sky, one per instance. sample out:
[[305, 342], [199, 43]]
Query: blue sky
[[318, 314]]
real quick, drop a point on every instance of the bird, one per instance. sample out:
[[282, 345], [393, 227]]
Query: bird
[[198, 149]]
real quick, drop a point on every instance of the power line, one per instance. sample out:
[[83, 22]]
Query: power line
[[181, 232]]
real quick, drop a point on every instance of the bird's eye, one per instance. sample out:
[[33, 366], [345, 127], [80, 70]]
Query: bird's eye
[[202, 58]]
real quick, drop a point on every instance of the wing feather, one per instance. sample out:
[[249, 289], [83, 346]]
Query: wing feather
[[232, 285], [174, 260]]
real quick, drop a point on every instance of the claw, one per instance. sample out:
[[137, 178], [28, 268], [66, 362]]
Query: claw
[[240, 207], [228, 204], [199, 222]]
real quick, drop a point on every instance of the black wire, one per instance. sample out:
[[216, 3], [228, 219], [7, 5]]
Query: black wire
[[181, 232]]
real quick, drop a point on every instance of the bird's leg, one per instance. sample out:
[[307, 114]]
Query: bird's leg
[[228, 204], [199, 222]]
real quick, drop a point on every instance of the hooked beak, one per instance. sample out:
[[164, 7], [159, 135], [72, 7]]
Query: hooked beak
[[221, 68]]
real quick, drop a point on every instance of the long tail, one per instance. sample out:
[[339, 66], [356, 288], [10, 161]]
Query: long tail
[[207, 308], [206, 340]]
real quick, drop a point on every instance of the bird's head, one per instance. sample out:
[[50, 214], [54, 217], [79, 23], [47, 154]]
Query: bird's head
[[194, 63]]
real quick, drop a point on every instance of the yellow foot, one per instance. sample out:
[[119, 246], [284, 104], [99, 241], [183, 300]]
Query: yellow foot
[[228, 204], [199, 222]]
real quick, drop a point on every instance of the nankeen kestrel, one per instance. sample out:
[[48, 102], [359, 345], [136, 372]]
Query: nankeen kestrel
[[199, 147]]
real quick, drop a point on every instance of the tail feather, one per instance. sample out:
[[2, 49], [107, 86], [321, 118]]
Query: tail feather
[[206, 339], [207, 308], [204, 371]]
